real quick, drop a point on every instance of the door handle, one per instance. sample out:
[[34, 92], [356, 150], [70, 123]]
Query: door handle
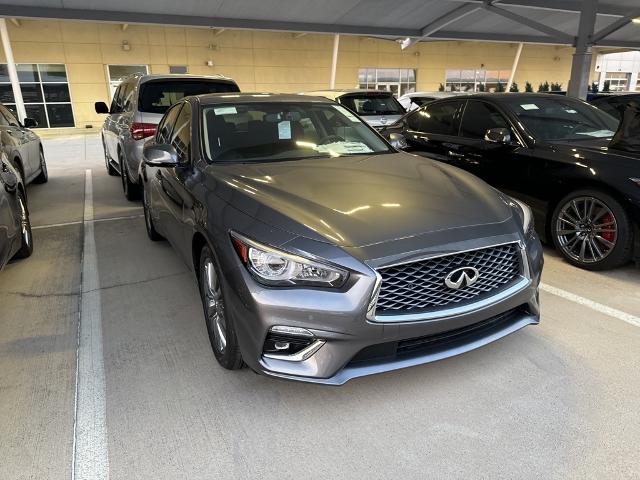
[[455, 154]]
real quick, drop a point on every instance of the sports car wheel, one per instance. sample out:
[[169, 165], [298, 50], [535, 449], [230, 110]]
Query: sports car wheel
[[26, 248], [148, 218]]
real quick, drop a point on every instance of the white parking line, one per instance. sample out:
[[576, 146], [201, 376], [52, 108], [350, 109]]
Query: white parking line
[[90, 455], [598, 307], [80, 222]]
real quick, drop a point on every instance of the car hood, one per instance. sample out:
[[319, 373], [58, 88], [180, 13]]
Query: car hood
[[595, 148], [360, 200]]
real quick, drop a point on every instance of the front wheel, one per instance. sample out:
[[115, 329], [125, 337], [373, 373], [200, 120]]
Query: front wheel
[[26, 247], [219, 325], [148, 218], [43, 177], [592, 230], [131, 190]]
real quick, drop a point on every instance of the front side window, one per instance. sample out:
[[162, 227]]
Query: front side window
[[279, 131], [479, 117], [561, 119], [181, 135], [165, 127], [372, 104], [435, 118], [157, 96]]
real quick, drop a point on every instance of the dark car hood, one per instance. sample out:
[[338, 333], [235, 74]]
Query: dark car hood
[[358, 201], [598, 146]]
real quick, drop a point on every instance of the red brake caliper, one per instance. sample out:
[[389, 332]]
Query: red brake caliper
[[609, 235]]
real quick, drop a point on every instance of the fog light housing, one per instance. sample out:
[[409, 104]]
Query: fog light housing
[[293, 344]]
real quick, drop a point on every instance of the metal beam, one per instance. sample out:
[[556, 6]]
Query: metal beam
[[581, 62], [13, 73], [552, 32], [615, 26], [441, 22], [572, 6], [495, 37]]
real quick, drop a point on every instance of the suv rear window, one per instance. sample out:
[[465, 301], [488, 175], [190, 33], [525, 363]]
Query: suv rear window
[[157, 96], [372, 104]]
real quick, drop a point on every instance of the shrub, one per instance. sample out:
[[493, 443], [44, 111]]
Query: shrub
[[441, 88], [528, 87], [514, 87]]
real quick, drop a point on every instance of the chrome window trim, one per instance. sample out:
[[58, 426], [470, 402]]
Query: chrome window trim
[[523, 283]]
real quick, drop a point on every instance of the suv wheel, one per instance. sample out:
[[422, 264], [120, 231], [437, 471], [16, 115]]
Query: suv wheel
[[219, 325], [26, 248], [131, 190], [592, 230], [44, 174]]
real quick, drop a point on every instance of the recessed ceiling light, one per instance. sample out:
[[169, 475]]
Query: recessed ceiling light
[[636, 20]]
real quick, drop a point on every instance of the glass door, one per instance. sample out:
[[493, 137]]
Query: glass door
[[393, 87]]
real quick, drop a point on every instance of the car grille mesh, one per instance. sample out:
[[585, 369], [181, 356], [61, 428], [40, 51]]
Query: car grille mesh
[[419, 286]]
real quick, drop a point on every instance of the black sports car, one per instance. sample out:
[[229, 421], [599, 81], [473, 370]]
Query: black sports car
[[15, 229], [552, 152]]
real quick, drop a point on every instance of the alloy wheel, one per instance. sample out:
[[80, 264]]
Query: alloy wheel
[[586, 229], [24, 224], [214, 306]]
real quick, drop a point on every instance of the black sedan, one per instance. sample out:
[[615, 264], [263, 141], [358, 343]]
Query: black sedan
[[613, 104], [551, 152], [15, 229]]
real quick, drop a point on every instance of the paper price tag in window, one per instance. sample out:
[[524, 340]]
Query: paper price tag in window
[[225, 110], [284, 130], [529, 106]]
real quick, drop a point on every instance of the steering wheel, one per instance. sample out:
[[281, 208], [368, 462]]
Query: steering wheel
[[330, 139]]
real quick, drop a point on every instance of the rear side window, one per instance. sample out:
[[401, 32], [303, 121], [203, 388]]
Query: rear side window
[[438, 118], [367, 104], [479, 117], [157, 96]]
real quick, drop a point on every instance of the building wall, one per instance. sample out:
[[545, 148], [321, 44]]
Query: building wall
[[258, 61], [619, 62]]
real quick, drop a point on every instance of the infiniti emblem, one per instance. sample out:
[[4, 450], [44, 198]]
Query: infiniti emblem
[[462, 277]]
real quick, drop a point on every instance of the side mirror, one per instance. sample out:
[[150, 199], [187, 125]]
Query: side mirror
[[10, 181], [498, 135], [101, 107], [29, 122], [398, 141], [160, 155]]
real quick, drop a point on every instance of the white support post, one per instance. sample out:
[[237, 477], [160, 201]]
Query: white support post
[[13, 73], [581, 63], [514, 67], [334, 61]]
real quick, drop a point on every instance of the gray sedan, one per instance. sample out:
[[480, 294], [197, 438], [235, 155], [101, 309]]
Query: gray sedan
[[321, 253]]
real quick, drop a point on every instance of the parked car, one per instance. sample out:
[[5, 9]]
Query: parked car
[[23, 147], [549, 151], [615, 105], [16, 239], [378, 108], [321, 253], [138, 104], [413, 100]]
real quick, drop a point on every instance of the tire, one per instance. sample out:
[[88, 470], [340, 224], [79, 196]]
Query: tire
[[44, 173], [592, 230], [148, 219], [26, 247], [131, 190], [220, 328]]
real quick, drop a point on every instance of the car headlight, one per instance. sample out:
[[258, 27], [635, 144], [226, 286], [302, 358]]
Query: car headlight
[[525, 213], [277, 268]]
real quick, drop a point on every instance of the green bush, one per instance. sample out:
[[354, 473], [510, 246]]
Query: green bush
[[528, 87], [543, 87], [441, 88], [606, 87], [500, 87], [514, 87]]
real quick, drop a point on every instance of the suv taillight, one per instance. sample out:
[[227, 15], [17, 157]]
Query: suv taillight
[[142, 130]]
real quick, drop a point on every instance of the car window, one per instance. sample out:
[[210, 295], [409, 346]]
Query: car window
[[156, 96], [372, 104], [116, 102], [181, 135], [7, 116], [165, 127], [278, 131], [478, 117], [127, 96], [438, 118], [4, 122]]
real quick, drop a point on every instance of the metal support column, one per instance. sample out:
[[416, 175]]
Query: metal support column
[[581, 63], [13, 73], [514, 67], [334, 61]]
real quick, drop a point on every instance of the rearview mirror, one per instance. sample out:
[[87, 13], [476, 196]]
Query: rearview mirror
[[398, 141], [101, 107], [160, 155], [498, 135], [29, 122]]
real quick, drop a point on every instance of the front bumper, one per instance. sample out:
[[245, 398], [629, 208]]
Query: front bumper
[[354, 346]]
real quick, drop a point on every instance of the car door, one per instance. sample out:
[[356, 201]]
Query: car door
[[110, 124], [432, 130], [17, 139]]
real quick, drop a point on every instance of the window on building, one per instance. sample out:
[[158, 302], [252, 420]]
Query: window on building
[[396, 80], [117, 73], [45, 92], [469, 80], [618, 81]]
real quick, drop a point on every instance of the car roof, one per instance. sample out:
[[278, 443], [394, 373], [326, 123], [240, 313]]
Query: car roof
[[335, 93], [501, 96], [258, 97], [175, 76]]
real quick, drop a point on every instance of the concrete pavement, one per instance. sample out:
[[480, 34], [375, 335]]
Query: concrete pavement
[[558, 400]]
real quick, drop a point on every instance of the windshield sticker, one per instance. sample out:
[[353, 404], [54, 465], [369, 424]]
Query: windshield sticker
[[597, 133], [284, 130], [529, 106], [347, 113], [570, 110], [225, 110], [341, 148]]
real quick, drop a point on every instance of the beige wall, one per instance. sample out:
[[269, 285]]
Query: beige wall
[[258, 61]]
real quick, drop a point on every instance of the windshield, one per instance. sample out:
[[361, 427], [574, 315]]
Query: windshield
[[157, 96], [372, 104], [562, 119], [276, 131]]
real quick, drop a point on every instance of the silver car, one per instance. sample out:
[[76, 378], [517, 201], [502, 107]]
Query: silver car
[[376, 107], [137, 106], [323, 254]]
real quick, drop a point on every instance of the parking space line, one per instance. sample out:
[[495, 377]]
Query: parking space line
[[90, 454], [80, 222], [598, 307]]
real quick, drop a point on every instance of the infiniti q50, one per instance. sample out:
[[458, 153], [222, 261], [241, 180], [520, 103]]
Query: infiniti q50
[[323, 254]]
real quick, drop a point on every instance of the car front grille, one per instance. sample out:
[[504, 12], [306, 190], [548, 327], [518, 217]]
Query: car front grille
[[420, 286]]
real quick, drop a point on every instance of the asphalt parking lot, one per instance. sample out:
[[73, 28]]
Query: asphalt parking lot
[[558, 400]]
